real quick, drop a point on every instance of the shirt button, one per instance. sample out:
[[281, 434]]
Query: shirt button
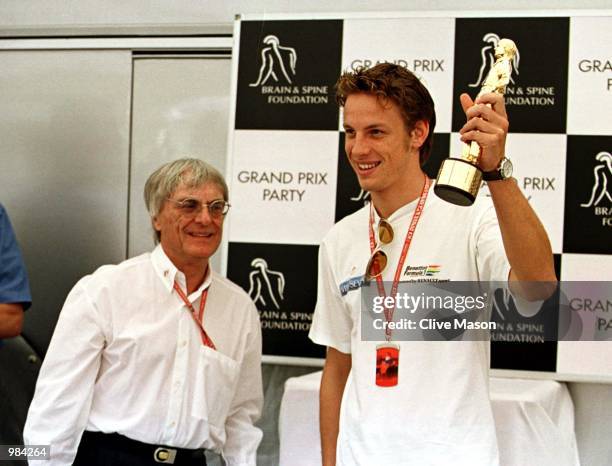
[[184, 343]]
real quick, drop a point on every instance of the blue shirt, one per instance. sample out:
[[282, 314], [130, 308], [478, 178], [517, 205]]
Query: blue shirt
[[14, 285]]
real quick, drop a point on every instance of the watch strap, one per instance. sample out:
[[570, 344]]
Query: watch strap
[[498, 173]]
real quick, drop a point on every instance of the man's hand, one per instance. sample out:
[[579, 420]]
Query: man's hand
[[11, 319], [487, 125], [525, 240]]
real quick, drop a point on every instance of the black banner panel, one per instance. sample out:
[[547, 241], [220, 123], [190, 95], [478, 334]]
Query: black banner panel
[[286, 75], [282, 281], [588, 195], [536, 98]]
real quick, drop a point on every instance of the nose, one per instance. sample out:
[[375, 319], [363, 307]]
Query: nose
[[357, 146], [203, 216]]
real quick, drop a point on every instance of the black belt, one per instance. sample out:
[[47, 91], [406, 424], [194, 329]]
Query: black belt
[[159, 453]]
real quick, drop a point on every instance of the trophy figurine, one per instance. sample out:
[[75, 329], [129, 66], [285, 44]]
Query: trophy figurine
[[459, 179]]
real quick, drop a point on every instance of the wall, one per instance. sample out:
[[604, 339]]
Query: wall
[[208, 16], [85, 17]]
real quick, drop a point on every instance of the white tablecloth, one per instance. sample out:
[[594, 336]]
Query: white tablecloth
[[534, 420]]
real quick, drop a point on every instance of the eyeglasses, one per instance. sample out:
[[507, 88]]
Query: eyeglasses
[[190, 206], [378, 259]]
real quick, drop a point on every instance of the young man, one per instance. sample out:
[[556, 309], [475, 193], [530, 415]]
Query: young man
[[156, 358], [438, 412]]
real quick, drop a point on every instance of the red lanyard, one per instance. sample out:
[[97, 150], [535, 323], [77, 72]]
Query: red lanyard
[[197, 317], [409, 234]]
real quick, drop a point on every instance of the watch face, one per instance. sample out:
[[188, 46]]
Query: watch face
[[506, 169]]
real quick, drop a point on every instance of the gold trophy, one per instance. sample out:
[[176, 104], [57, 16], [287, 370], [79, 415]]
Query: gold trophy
[[459, 179]]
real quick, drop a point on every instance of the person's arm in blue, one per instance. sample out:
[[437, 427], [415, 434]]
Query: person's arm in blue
[[14, 286]]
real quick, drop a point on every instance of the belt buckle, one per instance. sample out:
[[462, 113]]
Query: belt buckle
[[164, 455]]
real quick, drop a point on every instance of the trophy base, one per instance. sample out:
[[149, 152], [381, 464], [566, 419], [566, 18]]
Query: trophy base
[[458, 182]]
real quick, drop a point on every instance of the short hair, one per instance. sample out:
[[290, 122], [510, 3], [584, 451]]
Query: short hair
[[396, 83], [190, 172]]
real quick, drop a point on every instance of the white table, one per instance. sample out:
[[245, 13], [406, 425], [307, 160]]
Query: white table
[[534, 420]]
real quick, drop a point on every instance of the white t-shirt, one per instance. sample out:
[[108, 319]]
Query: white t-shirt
[[439, 413]]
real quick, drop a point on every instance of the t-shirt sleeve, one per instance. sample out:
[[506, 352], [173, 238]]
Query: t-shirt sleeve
[[14, 285], [491, 259], [332, 323]]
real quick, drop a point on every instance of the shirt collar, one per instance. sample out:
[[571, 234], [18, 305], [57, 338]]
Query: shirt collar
[[168, 273], [399, 214]]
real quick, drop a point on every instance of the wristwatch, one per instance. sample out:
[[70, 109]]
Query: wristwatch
[[502, 172]]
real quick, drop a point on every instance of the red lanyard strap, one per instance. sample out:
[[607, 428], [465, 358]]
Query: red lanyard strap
[[199, 316], [409, 234]]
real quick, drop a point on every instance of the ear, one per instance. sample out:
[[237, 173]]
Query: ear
[[156, 223], [419, 133]]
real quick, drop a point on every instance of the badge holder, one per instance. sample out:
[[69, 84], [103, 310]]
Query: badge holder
[[387, 364]]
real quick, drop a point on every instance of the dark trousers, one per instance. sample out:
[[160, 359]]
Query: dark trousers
[[98, 449]]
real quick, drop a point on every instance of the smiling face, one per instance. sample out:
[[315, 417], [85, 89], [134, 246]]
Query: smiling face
[[189, 239], [379, 147]]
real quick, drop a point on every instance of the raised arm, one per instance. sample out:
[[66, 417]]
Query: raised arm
[[525, 241]]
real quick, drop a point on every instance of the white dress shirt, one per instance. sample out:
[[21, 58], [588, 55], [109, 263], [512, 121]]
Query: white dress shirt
[[127, 357]]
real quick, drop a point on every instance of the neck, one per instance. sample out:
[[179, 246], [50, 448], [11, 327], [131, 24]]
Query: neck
[[195, 269], [388, 201], [194, 276]]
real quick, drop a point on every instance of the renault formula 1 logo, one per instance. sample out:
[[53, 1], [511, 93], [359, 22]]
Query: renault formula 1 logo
[[487, 53], [266, 287], [277, 62]]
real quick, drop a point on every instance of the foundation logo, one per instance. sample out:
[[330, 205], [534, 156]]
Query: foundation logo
[[276, 62], [602, 183], [281, 279], [286, 75], [536, 96], [266, 287], [487, 53], [600, 202], [504, 304]]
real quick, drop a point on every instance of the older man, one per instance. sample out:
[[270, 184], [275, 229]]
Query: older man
[[157, 358]]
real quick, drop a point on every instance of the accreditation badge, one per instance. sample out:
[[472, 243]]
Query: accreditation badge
[[387, 364]]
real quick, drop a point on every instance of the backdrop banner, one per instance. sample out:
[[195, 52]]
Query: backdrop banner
[[290, 181]]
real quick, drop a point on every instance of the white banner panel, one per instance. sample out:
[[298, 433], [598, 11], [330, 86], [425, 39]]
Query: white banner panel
[[290, 201], [367, 42], [539, 169], [590, 77]]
